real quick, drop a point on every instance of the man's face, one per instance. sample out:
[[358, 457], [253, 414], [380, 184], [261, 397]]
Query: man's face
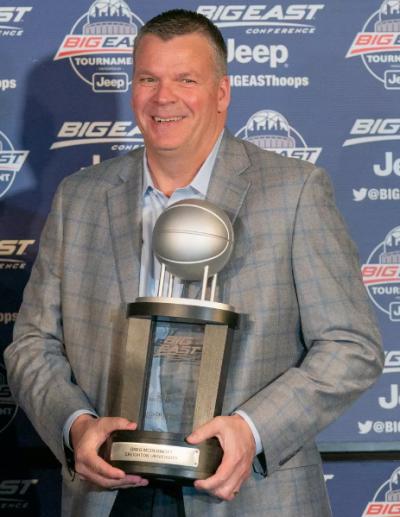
[[178, 98]]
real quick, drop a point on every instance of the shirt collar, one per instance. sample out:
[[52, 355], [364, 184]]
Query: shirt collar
[[202, 179]]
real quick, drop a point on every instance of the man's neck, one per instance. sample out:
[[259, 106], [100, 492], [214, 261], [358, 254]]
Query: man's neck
[[170, 171]]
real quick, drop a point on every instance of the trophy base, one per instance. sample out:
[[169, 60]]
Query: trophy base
[[163, 456]]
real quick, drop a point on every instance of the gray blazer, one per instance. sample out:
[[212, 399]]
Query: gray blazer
[[307, 346]]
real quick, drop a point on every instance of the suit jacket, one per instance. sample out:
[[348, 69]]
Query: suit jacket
[[307, 344]]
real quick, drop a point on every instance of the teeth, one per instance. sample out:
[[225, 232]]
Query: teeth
[[170, 119]]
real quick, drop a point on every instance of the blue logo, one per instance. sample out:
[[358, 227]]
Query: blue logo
[[271, 131], [11, 162]]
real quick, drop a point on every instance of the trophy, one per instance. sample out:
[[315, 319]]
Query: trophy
[[177, 351]]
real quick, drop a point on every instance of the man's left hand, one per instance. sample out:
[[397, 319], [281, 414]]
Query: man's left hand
[[239, 448]]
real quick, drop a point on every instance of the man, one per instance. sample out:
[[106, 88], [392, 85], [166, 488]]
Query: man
[[307, 345]]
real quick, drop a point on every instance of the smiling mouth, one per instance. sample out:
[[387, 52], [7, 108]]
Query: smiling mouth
[[162, 120]]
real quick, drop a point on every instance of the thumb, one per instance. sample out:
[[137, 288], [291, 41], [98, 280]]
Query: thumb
[[207, 430], [108, 425]]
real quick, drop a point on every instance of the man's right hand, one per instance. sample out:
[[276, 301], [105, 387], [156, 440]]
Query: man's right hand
[[87, 434]]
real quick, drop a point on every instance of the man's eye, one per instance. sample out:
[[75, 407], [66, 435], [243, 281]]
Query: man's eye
[[147, 80], [186, 80]]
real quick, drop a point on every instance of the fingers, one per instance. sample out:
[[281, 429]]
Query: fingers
[[129, 481], [238, 444], [105, 426], [88, 436], [99, 429], [227, 480], [93, 468]]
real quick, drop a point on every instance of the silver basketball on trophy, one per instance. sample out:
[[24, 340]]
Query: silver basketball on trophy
[[190, 235]]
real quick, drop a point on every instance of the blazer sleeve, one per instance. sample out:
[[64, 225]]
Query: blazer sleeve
[[38, 370], [343, 351]]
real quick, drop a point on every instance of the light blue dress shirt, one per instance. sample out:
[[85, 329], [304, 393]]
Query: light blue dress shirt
[[154, 203]]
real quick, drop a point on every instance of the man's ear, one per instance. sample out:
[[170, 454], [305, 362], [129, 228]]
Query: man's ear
[[224, 94]]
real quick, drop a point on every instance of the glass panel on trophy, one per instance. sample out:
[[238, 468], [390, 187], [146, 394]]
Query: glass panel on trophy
[[175, 365]]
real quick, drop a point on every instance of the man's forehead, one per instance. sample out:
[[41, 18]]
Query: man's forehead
[[194, 38], [194, 48]]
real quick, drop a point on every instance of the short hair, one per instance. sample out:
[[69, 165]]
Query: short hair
[[179, 22]]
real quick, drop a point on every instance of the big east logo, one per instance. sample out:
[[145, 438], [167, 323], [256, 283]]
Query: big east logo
[[378, 44], [14, 253], [271, 131], [12, 19], [263, 19], [11, 162], [392, 361], [368, 130], [381, 275], [8, 407], [15, 495], [99, 46], [386, 501], [119, 135]]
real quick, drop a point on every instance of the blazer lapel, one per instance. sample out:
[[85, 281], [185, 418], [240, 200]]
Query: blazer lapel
[[228, 187], [125, 213]]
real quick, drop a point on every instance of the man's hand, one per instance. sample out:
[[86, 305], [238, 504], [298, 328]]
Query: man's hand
[[87, 435], [239, 448]]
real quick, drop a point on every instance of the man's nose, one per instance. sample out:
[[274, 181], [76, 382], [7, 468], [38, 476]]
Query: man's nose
[[165, 92]]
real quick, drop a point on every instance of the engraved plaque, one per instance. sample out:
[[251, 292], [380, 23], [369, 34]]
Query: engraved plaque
[[155, 453]]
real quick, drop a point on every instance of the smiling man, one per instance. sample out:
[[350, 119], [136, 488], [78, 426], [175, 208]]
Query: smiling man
[[307, 345], [180, 99]]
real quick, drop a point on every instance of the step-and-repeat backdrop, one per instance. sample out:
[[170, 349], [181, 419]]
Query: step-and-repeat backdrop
[[317, 81]]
